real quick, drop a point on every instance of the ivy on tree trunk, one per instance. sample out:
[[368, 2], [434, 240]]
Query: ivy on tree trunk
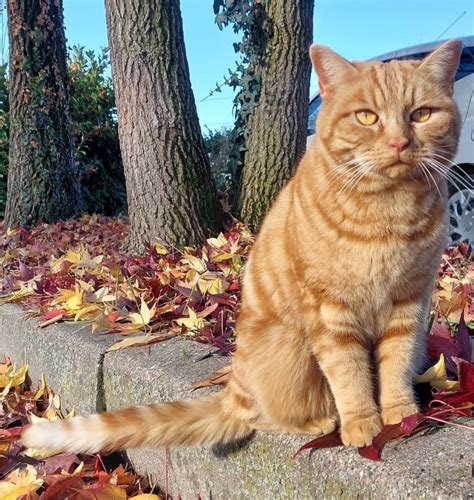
[[43, 184], [277, 126], [170, 191]]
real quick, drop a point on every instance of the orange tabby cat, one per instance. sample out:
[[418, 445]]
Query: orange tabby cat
[[339, 280]]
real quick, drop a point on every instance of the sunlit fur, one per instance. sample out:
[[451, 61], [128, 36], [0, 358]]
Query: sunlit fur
[[336, 289]]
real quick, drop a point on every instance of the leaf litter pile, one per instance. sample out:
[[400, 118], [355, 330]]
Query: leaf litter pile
[[76, 271], [35, 474]]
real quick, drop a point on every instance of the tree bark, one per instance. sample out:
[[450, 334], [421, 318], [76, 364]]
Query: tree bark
[[170, 190], [277, 126], [43, 184]]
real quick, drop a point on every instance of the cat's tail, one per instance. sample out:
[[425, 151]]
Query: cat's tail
[[204, 421]]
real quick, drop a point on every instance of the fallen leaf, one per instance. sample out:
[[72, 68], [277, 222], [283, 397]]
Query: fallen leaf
[[328, 441], [53, 318], [145, 315], [193, 323], [140, 340], [20, 483], [374, 451], [220, 377], [66, 462], [437, 377]]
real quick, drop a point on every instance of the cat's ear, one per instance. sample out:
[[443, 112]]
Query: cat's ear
[[330, 67], [443, 62]]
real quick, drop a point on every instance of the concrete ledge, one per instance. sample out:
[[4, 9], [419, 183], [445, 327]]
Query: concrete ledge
[[76, 365]]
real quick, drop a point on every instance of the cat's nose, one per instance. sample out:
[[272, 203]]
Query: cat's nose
[[398, 143]]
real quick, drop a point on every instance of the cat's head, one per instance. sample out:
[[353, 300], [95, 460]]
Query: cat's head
[[394, 120]]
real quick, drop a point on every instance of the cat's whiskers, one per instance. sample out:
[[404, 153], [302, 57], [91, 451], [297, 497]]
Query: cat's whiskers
[[454, 179], [349, 178], [423, 168], [365, 170], [339, 172], [437, 149], [443, 165], [466, 182], [451, 176], [348, 181], [426, 169], [340, 169], [365, 166], [437, 153]]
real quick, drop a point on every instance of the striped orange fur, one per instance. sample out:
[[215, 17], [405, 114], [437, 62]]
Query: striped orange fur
[[338, 283]]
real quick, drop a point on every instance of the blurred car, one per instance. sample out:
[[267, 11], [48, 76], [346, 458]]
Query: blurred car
[[461, 194]]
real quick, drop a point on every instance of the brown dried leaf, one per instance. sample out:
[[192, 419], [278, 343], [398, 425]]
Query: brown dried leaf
[[220, 377]]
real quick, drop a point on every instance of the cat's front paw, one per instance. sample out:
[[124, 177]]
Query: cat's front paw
[[360, 431], [396, 413]]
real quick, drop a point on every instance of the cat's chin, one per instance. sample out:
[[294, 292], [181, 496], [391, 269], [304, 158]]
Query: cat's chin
[[398, 170], [400, 173]]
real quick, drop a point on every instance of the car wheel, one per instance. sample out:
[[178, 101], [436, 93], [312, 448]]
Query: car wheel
[[461, 217]]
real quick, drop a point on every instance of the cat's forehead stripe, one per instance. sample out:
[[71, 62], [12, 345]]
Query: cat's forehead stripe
[[389, 82]]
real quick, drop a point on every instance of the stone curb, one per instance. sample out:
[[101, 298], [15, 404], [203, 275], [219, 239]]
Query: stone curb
[[75, 363]]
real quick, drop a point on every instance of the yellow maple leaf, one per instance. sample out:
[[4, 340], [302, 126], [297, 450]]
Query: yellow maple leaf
[[145, 315], [11, 378], [84, 285], [4, 446], [72, 299], [131, 341], [161, 249], [88, 312], [212, 284], [194, 322], [12, 232], [7, 257], [5, 377], [218, 242], [223, 256], [19, 483], [88, 262], [17, 295], [165, 278], [70, 256], [102, 295], [80, 259], [41, 390], [78, 470], [437, 377], [198, 265]]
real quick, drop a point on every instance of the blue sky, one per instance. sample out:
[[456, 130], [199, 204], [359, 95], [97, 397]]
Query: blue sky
[[357, 29]]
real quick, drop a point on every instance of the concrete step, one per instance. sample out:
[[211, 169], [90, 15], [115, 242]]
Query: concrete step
[[76, 365]]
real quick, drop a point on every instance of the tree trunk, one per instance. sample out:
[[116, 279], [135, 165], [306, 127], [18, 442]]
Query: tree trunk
[[278, 124], [170, 190], [42, 179]]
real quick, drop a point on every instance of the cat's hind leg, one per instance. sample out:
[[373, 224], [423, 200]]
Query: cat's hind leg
[[287, 385]]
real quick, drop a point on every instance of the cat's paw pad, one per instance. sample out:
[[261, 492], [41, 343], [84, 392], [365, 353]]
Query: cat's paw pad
[[361, 431], [395, 414]]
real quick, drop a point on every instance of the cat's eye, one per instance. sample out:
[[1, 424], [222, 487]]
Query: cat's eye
[[366, 117], [421, 115]]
